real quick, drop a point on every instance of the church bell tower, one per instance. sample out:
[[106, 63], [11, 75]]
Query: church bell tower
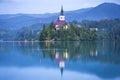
[[62, 17]]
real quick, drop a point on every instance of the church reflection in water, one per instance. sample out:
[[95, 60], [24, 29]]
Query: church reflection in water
[[61, 60], [62, 53], [87, 56]]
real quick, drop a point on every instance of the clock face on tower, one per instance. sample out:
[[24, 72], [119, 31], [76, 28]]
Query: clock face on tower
[[61, 17]]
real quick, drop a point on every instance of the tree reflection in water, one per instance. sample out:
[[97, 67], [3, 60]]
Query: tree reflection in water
[[85, 51], [99, 58]]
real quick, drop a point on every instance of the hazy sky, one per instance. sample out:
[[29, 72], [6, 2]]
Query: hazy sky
[[46, 6]]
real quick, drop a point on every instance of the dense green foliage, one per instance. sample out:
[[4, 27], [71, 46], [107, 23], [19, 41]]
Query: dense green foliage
[[28, 33], [72, 33], [108, 29]]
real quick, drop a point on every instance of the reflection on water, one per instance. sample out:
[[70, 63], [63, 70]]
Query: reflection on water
[[60, 60]]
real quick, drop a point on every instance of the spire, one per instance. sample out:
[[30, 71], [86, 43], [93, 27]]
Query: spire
[[61, 70], [62, 12]]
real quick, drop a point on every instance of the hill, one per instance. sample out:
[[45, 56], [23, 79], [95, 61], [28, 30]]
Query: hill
[[102, 11]]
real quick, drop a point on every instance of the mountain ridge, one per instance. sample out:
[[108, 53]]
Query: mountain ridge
[[102, 11]]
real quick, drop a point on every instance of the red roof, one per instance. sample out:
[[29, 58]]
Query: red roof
[[60, 22]]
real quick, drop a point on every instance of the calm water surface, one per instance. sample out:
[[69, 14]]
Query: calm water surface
[[60, 60]]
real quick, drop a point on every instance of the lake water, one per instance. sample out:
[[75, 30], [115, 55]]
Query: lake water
[[60, 60]]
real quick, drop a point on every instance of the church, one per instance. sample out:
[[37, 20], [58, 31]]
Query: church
[[61, 20]]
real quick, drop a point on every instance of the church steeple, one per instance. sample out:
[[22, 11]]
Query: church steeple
[[61, 19], [62, 12]]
